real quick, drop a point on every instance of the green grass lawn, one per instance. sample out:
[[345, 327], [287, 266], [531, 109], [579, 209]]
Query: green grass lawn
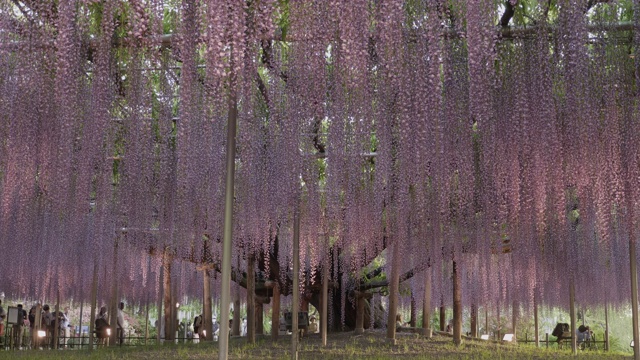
[[371, 345]]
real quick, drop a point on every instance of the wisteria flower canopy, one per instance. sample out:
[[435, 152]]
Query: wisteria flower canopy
[[420, 125]]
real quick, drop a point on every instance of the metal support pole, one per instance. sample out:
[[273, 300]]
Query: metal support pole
[[634, 296], [225, 292], [296, 286], [324, 316]]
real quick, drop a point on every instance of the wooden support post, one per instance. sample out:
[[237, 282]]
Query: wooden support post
[[159, 328], [536, 329], [413, 312], [486, 319], [275, 312], [56, 330], [94, 292], [296, 286], [251, 302], [259, 319], [168, 306], [359, 314], [394, 285], [146, 323], [474, 321], [207, 318], [426, 305], [113, 308], [514, 320], [174, 310], [572, 310], [498, 337], [634, 295], [546, 340], [324, 315], [235, 324], [79, 321], [457, 307], [606, 326]]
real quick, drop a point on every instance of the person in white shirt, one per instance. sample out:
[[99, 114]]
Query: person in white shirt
[[121, 323]]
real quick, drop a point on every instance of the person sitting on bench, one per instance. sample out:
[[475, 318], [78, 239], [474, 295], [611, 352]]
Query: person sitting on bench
[[583, 334]]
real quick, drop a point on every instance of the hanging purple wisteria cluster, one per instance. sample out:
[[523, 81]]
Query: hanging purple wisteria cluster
[[387, 123]]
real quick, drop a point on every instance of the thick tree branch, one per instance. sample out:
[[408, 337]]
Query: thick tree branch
[[509, 11]]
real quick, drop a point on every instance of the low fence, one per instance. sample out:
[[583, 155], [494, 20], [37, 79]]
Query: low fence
[[30, 339]]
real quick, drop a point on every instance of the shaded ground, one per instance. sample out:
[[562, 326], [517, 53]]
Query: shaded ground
[[371, 345]]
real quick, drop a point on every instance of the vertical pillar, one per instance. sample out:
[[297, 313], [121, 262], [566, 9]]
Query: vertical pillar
[[486, 319], [498, 337], [443, 314], [94, 291], [457, 307], [275, 312], [572, 309], [359, 313], [394, 285], [412, 319], [535, 320], [251, 302], [113, 309], [146, 323], [514, 320], [259, 319], [324, 315], [159, 305], [168, 306], [56, 330], [225, 292], [207, 318], [236, 316], [474, 321], [426, 305], [296, 286], [606, 326], [79, 321], [634, 296]]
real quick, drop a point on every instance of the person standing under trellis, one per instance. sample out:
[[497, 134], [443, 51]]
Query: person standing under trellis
[[3, 315], [121, 323]]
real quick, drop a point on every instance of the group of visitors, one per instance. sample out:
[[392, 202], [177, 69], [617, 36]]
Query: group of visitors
[[103, 328], [39, 318]]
